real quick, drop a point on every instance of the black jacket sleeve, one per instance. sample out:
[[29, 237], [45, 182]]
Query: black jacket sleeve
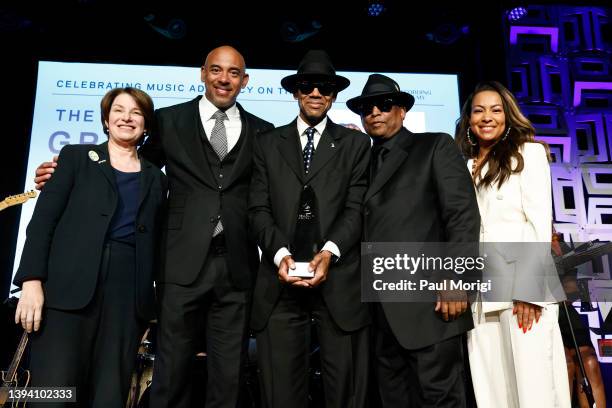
[[48, 211]]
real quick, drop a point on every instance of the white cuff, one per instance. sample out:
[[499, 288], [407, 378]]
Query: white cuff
[[331, 247], [280, 254]]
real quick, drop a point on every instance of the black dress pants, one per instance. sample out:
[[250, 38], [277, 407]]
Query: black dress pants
[[92, 349], [430, 377], [284, 351], [211, 297]]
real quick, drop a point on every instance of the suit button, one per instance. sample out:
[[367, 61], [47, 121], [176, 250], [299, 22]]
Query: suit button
[[142, 228], [220, 187], [213, 219], [367, 212]]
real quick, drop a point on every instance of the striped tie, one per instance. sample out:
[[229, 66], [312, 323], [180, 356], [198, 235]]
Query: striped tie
[[218, 137], [218, 140]]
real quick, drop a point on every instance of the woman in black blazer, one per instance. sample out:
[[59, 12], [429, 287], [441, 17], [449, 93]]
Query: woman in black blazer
[[88, 263]]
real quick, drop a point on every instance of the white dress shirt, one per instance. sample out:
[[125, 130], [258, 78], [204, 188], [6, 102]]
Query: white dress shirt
[[319, 128]]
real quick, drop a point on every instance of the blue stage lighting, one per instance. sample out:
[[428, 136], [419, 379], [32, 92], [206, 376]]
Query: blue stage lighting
[[517, 13], [375, 9]]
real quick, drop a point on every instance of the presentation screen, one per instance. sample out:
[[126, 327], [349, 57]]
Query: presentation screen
[[67, 104]]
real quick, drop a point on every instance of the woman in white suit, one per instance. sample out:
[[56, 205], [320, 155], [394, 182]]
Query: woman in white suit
[[515, 350]]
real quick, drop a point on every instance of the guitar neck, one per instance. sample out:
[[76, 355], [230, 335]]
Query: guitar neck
[[12, 370], [17, 199]]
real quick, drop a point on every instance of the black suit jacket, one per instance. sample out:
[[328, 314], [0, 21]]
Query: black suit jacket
[[338, 176], [67, 232], [422, 193], [195, 197]]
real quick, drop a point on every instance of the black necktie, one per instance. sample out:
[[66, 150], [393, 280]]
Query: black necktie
[[378, 156], [308, 149]]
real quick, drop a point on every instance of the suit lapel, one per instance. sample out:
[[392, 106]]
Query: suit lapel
[[104, 165], [188, 130], [395, 158], [244, 154], [326, 149], [484, 196], [291, 150]]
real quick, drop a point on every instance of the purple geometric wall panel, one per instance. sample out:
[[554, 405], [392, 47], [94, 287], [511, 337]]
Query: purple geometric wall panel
[[597, 180], [584, 28], [577, 28], [519, 81], [608, 126], [587, 68], [601, 24], [555, 79], [548, 120], [539, 40], [525, 80], [593, 95], [560, 59], [568, 194], [569, 100], [560, 147], [588, 132]]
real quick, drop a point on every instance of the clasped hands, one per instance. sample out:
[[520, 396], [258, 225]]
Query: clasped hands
[[451, 304], [526, 313], [319, 264]]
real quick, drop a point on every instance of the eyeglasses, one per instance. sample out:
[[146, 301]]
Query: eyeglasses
[[325, 88], [384, 105]]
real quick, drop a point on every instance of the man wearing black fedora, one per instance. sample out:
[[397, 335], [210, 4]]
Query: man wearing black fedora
[[305, 205], [420, 191]]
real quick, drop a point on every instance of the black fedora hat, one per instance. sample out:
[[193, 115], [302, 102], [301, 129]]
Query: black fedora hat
[[316, 65], [379, 86]]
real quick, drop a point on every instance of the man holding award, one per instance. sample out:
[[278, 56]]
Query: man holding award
[[307, 189]]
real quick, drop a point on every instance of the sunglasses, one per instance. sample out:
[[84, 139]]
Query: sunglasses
[[325, 88], [384, 105]]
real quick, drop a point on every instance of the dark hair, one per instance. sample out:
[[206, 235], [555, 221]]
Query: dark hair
[[142, 99], [504, 151]]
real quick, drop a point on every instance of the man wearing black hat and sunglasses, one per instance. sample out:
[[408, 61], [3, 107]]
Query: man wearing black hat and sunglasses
[[420, 191], [305, 205]]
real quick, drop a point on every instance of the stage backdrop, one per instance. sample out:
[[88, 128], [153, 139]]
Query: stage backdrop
[[67, 105], [560, 68]]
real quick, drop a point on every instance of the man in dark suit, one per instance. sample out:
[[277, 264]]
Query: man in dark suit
[[208, 262], [306, 196], [420, 191]]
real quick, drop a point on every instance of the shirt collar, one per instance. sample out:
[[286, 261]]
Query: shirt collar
[[386, 143], [302, 126], [208, 109]]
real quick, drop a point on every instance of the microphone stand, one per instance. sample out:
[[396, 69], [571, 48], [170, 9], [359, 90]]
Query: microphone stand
[[585, 385]]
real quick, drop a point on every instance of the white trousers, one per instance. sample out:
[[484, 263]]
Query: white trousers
[[512, 369]]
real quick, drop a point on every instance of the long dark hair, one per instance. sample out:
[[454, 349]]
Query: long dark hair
[[502, 153]]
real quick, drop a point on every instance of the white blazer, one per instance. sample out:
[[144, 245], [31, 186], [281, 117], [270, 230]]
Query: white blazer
[[519, 211]]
